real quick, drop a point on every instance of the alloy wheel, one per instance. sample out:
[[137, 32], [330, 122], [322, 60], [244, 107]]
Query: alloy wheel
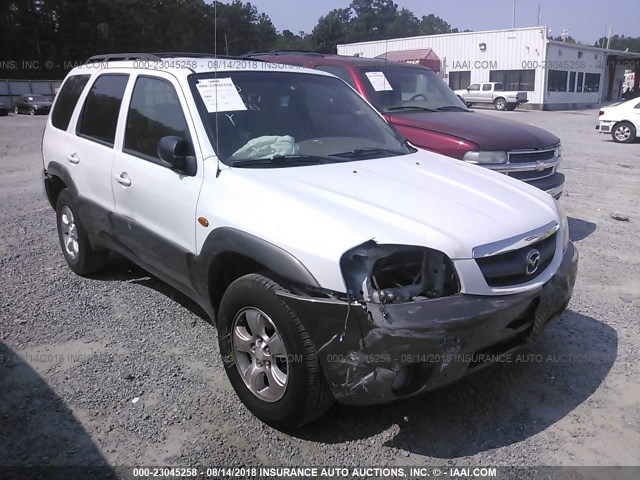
[[622, 133], [260, 354], [69, 233]]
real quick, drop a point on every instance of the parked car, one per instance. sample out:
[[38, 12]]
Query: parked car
[[492, 93], [621, 120], [336, 260], [426, 111], [3, 110], [32, 104]]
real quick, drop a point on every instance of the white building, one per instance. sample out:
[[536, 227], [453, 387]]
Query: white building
[[554, 74]]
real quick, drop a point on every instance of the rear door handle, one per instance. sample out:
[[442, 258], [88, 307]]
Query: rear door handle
[[73, 158], [123, 179]]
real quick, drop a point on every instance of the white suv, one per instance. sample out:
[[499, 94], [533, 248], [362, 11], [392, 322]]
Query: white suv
[[336, 260]]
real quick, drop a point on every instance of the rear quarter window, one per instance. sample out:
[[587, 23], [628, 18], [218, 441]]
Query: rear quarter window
[[67, 98], [99, 117]]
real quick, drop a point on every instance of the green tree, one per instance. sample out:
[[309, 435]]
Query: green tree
[[332, 29], [434, 25]]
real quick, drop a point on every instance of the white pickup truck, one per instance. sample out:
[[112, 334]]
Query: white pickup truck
[[492, 93]]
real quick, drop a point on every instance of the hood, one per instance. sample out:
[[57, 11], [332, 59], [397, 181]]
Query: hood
[[488, 132], [40, 104], [422, 199]]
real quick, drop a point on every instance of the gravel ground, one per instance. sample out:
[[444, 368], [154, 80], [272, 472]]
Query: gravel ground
[[121, 369]]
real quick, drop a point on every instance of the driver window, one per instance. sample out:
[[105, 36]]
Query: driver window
[[475, 86], [154, 112]]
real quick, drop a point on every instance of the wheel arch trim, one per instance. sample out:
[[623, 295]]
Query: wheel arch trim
[[55, 169]]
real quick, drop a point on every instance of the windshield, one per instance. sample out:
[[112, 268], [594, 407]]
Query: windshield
[[36, 98], [256, 115], [394, 88]]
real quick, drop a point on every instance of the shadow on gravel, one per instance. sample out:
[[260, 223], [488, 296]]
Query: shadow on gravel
[[38, 431], [122, 270], [496, 407], [580, 229]]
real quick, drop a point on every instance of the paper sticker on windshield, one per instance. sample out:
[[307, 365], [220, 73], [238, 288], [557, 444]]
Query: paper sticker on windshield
[[220, 95], [379, 82]]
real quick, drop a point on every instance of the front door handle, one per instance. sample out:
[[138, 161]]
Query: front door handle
[[73, 158], [123, 179]]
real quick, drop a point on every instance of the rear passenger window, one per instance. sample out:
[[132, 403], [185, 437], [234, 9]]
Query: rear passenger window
[[486, 87], [155, 112], [67, 98], [339, 72], [99, 117]]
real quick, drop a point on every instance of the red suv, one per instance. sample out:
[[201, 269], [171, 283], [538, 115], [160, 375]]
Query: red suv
[[427, 112]]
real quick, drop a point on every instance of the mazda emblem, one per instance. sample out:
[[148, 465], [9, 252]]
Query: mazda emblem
[[533, 262]]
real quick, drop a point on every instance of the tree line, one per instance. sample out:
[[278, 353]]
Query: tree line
[[64, 33]]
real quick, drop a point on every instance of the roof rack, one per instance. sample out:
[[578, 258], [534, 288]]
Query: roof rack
[[112, 57], [285, 52], [156, 57]]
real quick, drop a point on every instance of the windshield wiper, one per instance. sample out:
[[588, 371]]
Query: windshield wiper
[[282, 160], [367, 151], [409, 107], [451, 107]]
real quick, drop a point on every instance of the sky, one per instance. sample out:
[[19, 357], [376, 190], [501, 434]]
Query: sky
[[587, 20]]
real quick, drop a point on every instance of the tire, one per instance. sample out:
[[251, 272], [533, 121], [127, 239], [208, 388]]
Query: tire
[[286, 390], [32, 112], [500, 104], [16, 110], [511, 106], [469, 104], [76, 248], [623, 132]]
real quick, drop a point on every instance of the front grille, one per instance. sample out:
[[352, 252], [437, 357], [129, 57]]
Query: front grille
[[531, 156], [532, 174], [510, 268]]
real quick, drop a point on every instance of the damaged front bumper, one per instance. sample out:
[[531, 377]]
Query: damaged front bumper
[[377, 353]]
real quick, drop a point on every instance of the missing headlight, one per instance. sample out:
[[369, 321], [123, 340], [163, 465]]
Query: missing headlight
[[397, 273]]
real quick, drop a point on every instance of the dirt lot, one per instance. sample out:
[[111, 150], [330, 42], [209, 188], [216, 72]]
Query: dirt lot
[[75, 352]]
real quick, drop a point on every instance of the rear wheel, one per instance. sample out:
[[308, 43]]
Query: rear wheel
[[77, 250], [511, 106], [268, 355], [469, 104], [500, 104], [623, 132]]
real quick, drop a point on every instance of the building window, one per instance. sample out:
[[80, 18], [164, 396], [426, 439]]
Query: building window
[[572, 82], [557, 81], [592, 82], [580, 79], [459, 80], [522, 80]]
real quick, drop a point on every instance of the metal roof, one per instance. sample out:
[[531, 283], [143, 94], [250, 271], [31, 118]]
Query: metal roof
[[409, 55]]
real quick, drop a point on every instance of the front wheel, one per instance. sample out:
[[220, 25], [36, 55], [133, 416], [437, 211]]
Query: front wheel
[[76, 248], [268, 355], [500, 104], [469, 104], [623, 132], [32, 112], [16, 110], [511, 106]]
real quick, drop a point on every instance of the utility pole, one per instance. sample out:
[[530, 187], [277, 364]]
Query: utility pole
[[513, 24], [538, 24]]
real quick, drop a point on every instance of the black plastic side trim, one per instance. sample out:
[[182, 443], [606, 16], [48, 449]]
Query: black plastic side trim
[[231, 240], [57, 170]]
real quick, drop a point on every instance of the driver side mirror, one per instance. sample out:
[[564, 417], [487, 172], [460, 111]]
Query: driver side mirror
[[174, 152]]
